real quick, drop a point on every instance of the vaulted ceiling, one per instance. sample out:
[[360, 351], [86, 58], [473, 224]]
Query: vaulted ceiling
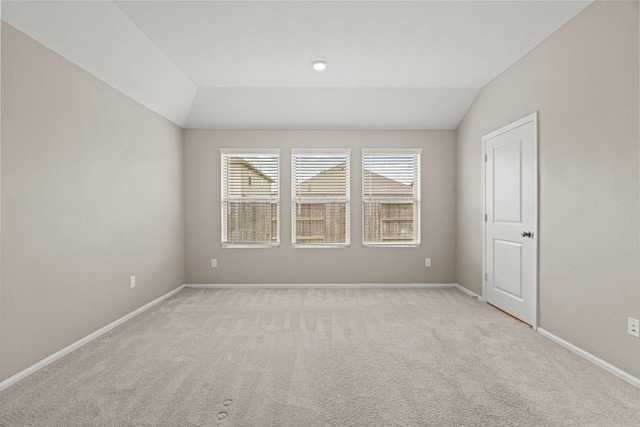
[[247, 64]]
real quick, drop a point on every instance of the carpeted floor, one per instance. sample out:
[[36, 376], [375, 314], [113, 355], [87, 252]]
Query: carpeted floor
[[321, 357]]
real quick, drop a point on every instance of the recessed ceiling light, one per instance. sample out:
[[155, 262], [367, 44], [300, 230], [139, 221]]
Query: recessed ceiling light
[[319, 65]]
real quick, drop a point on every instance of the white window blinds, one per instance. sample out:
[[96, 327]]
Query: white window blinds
[[250, 198], [320, 197], [391, 197]]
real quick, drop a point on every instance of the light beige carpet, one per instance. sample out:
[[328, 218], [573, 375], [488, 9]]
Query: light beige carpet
[[321, 357]]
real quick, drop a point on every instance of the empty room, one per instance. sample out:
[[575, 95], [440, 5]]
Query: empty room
[[320, 213]]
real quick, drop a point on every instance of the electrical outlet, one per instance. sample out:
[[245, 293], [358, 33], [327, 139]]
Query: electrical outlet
[[214, 263], [427, 262], [132, 281], [633, 327]]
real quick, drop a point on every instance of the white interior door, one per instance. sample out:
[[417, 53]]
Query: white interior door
[[510, 232]]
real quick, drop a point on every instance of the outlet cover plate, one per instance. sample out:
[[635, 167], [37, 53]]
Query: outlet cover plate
[[633, 327]]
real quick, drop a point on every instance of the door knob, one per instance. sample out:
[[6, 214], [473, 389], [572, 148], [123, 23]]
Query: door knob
[[527, 234]]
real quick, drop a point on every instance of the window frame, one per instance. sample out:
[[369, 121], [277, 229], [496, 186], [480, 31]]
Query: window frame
[[226, 153], [415, 199], [296, 199]]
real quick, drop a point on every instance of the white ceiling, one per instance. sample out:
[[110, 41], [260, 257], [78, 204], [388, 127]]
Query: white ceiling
[[247, 64]]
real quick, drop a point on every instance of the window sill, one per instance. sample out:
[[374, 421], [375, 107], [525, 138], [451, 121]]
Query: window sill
[[250, 246], [319, 246], [391, 245]]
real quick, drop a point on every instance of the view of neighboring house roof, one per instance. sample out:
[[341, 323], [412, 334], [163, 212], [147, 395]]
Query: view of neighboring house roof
[[379, 185], [238, 161], [331, 182]]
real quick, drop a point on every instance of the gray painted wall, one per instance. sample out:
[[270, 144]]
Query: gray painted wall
[[285, 265], [92, 192], [583, 80]]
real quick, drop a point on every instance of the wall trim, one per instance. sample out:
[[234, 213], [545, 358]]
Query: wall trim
[[76, 345], [591, 358], [468, 292], [322, 285]]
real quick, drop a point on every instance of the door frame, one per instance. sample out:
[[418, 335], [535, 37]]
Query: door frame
[[533, 117]]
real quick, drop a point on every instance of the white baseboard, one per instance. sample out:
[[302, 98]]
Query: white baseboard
[[76, 345], [468, 292], [324, 285], [591, 358]]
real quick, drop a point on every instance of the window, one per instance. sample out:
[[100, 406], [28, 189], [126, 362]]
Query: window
[[320, 198], [391, 197], [250, 198]]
